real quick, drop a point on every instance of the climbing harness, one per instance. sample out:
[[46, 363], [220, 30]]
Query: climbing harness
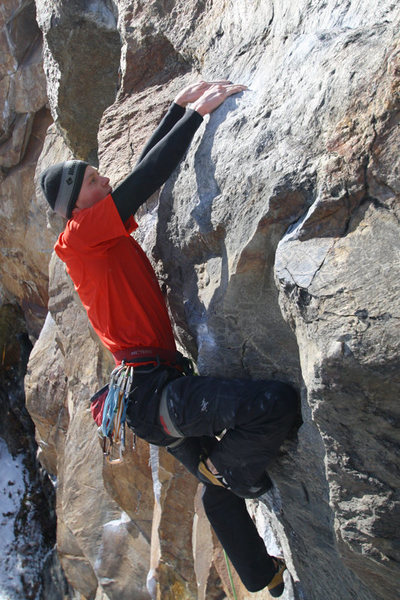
[[109, 405], [112, 428]]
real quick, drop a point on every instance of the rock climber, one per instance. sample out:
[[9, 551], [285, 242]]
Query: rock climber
[[225, 432]]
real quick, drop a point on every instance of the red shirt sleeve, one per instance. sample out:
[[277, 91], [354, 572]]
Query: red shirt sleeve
[[94, 226]]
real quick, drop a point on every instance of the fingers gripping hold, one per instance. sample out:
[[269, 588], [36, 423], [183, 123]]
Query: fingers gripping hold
[[206, 96], [215, 95], [192, 92]]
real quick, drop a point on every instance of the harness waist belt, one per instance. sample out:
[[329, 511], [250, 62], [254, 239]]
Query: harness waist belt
[[140, 354]]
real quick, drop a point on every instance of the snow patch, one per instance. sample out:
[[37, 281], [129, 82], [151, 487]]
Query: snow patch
[[116, 523], [21, 545]]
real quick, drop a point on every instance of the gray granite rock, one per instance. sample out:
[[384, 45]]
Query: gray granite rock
[[82, 49]]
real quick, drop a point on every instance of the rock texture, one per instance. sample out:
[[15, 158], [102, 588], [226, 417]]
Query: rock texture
[[276, 243], [24, 119], [81, 51], [29, 565]]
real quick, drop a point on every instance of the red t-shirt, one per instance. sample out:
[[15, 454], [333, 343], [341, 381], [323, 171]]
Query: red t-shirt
[[114, 279]]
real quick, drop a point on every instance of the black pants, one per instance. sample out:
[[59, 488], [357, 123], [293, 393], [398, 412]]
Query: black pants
[[257, 416], [239, 537]]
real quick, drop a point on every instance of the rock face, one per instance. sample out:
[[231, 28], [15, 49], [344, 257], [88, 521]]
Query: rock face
[[23, 123], [276, 243], [29, 565], [82, 53]]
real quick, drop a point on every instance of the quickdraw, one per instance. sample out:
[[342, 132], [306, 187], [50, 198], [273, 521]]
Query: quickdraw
[[112, 428]]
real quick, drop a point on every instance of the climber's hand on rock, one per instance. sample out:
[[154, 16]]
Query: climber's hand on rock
[[215, 96], [192, 92]]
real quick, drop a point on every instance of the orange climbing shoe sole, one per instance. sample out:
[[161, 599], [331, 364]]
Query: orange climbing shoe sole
[[277, 585]]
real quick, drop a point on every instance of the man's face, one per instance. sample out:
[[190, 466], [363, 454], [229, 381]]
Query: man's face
[[94, 188]]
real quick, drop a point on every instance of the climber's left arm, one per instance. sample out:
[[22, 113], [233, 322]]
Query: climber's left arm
[[156, 166], [161, 156], [188, 95]]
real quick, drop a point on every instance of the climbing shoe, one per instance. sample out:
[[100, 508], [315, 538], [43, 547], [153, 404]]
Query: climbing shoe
[[276, 585], [208, 476], [207, 473]]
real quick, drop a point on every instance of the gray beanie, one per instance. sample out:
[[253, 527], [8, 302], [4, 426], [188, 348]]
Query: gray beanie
[[61, 184]]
